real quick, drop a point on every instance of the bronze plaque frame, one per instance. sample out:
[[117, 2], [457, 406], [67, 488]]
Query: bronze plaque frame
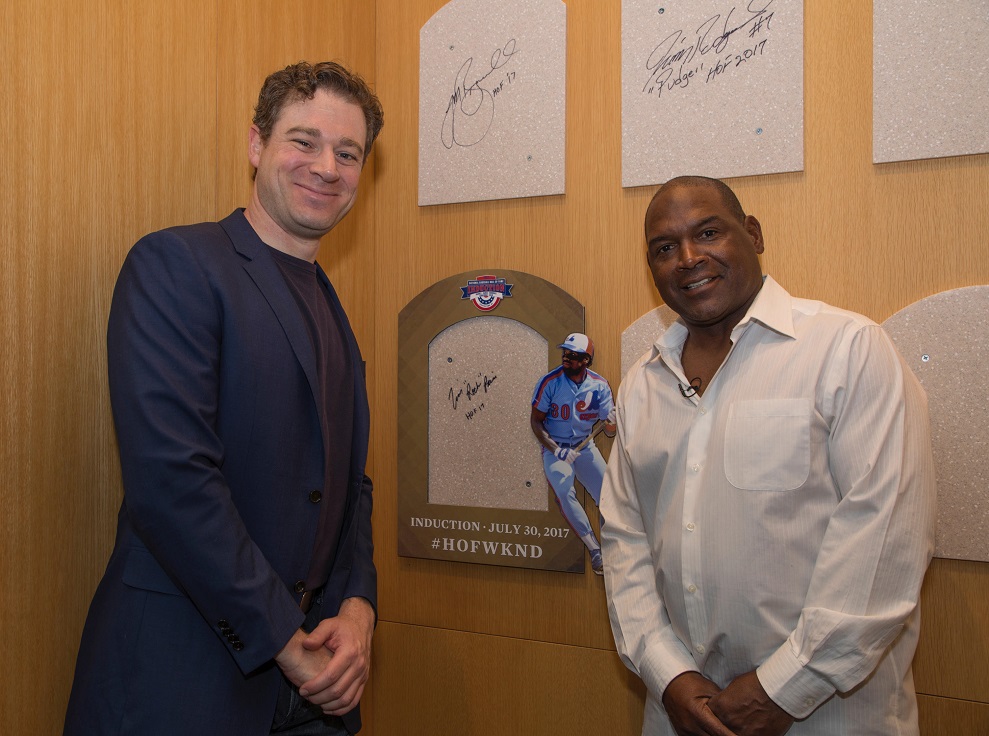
[[491, 536]]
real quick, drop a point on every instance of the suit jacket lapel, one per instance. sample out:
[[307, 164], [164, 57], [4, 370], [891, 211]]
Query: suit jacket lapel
[[263, 270], [361, 411]]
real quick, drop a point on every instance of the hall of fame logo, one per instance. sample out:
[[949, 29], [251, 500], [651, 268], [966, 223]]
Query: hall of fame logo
[[486, 292]]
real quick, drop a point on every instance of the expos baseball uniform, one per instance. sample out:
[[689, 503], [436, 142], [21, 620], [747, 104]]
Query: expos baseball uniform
[[571, 410]]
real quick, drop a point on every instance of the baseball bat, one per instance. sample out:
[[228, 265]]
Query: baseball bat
[[587, 440]]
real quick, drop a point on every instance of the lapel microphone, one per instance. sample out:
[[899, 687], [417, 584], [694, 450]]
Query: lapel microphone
[[690, 390]]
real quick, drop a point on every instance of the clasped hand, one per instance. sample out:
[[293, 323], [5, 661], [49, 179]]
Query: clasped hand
[[698, 707], [330, 666]]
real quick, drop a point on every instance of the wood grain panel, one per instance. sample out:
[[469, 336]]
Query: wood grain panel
[[953, 654], [442, 682], [947, 717], [109, 122], [416, 247], [127, 117], [869, 238]]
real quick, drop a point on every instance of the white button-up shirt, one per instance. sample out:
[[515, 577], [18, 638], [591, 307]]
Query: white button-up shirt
[[782, 522]]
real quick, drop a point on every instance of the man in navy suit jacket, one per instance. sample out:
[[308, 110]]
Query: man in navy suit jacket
[[240, 596]]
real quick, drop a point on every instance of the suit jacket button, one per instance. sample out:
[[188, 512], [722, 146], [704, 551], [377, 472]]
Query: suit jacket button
[[237, 646], [226, 631], [315, 496], [222, 623], [300, 586]]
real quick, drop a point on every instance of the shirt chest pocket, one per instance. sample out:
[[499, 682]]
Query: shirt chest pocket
[[767, 444]]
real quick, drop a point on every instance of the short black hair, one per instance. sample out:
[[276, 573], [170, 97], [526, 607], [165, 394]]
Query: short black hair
[[727, 195]]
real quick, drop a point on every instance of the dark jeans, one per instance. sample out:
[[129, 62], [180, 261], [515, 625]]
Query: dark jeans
[[296, 716]]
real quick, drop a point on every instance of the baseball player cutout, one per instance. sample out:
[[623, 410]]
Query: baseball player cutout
[[567, 403]]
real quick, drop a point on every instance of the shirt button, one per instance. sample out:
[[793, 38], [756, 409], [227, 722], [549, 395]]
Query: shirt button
[[695, 468], [699, 648], [315, 496], [691, 526], [808, 702], [691, 588], [703, 410], [300, 586]]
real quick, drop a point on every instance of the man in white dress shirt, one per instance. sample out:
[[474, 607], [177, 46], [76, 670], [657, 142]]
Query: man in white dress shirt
[[769, 502]]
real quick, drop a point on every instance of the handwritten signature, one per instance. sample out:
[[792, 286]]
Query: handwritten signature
[[678, 58], [471, 387], [470, 109]]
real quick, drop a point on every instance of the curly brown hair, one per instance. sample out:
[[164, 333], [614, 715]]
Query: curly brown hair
[[301, 81]]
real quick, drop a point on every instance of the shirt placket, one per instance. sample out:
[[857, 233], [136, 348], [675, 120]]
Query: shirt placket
[[690, 534], [694, 588], [691, 531]]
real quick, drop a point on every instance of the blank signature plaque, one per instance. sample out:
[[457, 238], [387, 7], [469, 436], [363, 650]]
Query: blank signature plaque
[[711, 87], [492, 101], [943, 339], [642, 334], [930, 76]]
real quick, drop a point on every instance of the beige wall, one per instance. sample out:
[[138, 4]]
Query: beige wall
[[124, 117]]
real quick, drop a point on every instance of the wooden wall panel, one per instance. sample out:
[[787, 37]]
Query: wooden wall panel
[[947, 717], [953, 654], [109, 124], [416, 247], [869, 238], [127, 117], [112, 113], [499, 686]]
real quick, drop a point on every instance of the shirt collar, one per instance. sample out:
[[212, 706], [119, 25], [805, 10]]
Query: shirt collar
[[771, 308]]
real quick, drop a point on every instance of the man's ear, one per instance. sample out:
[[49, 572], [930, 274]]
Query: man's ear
[[254, 145], [754, 229]]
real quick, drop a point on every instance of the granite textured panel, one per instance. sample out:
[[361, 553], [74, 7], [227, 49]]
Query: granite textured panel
[[492, 100], [930, 76], [711, 87], [481, 376], [639, 336], [943, 339]]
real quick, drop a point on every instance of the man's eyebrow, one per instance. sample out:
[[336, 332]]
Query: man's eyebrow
[[711, 220], [353, 144], [311, 132]]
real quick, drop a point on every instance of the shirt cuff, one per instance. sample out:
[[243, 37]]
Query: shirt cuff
[[661, 666], [791, 685]]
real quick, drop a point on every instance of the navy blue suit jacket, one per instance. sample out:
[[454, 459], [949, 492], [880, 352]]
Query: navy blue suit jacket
[[216, 403]]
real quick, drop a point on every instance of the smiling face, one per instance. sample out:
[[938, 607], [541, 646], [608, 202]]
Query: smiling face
[[307, 172], [703, 258]]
